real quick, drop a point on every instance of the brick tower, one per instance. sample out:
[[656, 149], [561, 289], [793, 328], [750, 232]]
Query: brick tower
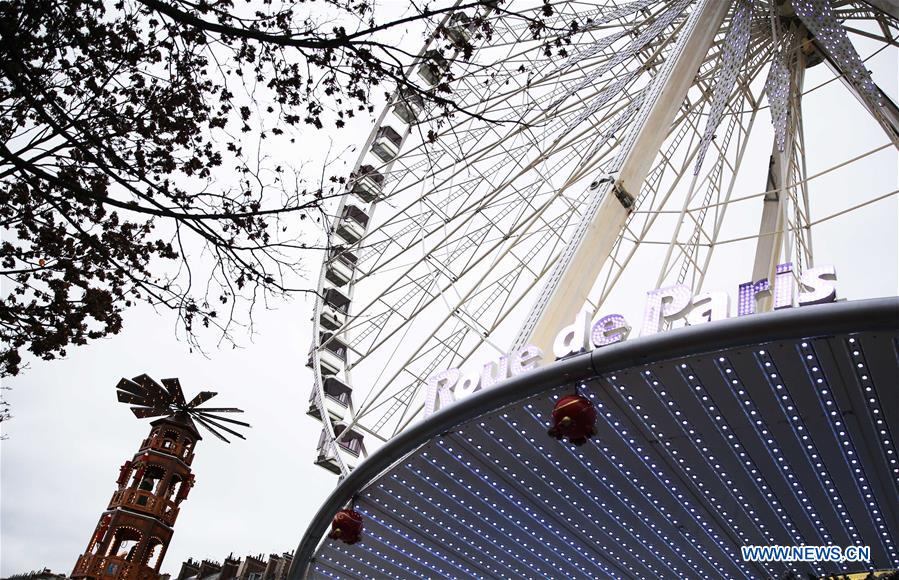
[[133, 534]]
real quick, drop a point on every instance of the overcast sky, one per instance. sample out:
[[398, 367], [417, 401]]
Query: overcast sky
[[69, 436]]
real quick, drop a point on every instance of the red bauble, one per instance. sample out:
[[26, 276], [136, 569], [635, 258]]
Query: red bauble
[[346, 526], [574, 417]]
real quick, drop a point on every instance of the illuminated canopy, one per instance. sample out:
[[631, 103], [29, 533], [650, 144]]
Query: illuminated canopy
[[772, 429]]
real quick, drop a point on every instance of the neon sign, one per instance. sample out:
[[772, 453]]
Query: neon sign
[[663, 305]]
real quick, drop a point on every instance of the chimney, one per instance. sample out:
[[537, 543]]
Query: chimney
[[251, 565], [207, 568], [188, 568], [271, 567], [229, 568]]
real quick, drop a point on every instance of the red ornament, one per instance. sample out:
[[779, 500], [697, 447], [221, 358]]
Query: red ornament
[[574, 417], [143, 462], [346, 526], [123, 473]]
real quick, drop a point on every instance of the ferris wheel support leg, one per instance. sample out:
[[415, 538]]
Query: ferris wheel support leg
[[568, 287], [781, 173]]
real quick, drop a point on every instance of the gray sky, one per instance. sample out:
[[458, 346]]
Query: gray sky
[[69, 435]]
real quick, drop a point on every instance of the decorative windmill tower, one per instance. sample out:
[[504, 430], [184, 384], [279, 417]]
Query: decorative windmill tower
[[134, 532]]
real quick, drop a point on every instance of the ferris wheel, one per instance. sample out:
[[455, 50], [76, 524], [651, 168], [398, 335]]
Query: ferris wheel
[[623, 127]]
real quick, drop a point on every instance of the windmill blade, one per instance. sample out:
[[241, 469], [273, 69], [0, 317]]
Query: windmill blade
[[130, 399], [151, 386], [131, 387], [220, 426], [201, 398], [144, 412], [217, 418], [174, 387], [159, 397], [211, 429], [151, 399]]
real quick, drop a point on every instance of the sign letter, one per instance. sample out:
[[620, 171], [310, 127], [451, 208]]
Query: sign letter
[[525, 359], [493, 372], [573, 338], [439, 386], [816, 286], [667, 303], [709, 306], [466, 386], [609, 329]]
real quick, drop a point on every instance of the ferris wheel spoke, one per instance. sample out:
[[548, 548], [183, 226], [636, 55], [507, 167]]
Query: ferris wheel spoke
[[879, 9], [683, 256], [507, 66], [507, 153], [552, 230], [416, 410], [634, 46], [484, 253], [406, 392], [519, 199], [650, 193], [656, 203], [797, 222], [698, 272], [588, 18], [447, 179], [784, 86], [885, 35], [550, 237], [612, 128], [497, 210], [876, 102], [413, 218], [615, 55], [732, 57], [524, 125], [800, 223], [441, 349]]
